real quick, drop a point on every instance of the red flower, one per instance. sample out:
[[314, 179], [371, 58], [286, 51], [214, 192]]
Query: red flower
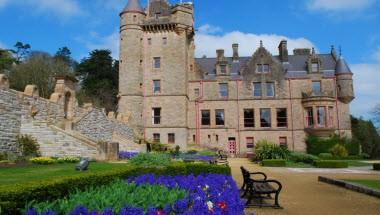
[[222, 205], [160, 213]]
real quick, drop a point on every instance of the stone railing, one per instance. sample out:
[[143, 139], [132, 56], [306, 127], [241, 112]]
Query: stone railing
[[313, 94]]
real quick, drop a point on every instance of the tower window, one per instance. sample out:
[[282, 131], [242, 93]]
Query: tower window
[[149, 41], [265, 118], [205, 117], [157, 62], [134, 18], [165, 40], [249, 118], [314, 67], [156, 86], [321, 117], [219, 117], [156, 116]]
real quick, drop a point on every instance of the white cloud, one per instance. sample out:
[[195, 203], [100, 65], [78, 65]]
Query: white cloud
[[60, 8], [109, 42], [366, 88], [209, 29], [2, 45], [339, 5], [207, 43]]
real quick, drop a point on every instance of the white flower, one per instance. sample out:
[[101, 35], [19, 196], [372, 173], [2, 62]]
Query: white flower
[[210, 205]]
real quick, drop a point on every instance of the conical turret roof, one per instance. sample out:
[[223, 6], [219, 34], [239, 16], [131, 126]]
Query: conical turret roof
[[342, 67], [133, 6]]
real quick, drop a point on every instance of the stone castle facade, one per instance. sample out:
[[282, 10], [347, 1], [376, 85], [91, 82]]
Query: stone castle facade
[[227, 102]]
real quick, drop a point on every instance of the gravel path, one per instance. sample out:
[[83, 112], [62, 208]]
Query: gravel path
[[302, 193]]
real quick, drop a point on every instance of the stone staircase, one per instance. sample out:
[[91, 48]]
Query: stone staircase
[[56, 142]]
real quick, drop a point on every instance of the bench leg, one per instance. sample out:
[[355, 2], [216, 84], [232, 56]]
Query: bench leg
[[276, 203]]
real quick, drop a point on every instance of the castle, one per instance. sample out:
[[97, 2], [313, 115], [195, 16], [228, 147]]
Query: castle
[[227, 102]]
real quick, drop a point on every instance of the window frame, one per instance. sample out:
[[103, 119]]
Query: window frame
[[321, 118], [156, 119], [281, 143], [262, 123], [282, 124], [250, 145], [155, 139], [221, 90], [260, 89], [156, 89], [262, 68], [204, 119], [171, 138], [249, 122], [309, 117], [157, 62], [272, 89], [223, 69], [319, 88], [221, 118], [313, 67]]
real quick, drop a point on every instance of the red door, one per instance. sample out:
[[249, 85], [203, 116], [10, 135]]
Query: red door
[[232, 147]]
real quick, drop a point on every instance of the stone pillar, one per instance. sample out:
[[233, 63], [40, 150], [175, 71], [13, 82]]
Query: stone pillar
[[108, 151]]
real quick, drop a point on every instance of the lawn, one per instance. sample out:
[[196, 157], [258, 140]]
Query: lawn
[[40, 172], [368, 183]]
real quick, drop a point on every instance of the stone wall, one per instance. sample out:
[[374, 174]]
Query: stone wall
[[10, 120]]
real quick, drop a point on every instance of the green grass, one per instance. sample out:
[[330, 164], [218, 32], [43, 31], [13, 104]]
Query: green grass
[[351, 163], [356, 163], [293, 164], [368, 183], [45, 172]]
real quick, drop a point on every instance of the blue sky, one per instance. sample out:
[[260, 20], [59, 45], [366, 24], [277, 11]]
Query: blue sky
[[84, 25]]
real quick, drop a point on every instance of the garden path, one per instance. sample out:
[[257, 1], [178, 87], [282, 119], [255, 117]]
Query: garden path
[[302, 194]]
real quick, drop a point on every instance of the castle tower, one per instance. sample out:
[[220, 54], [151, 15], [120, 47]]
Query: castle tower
[[157, 53], [344, 81], [130, 75]]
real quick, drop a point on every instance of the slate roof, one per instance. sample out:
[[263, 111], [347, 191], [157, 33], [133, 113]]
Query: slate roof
[[295, 68], [133, 6], [342, 67]]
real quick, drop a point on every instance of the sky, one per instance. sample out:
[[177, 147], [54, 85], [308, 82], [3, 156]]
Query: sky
[[85, 25]]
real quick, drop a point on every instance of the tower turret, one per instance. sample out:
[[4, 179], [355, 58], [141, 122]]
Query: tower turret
[[344, 81], [131, 58]]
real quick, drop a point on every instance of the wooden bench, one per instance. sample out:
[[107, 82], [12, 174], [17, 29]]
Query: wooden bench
[[260, 189]]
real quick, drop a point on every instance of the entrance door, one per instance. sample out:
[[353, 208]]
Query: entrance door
[[232, 146]]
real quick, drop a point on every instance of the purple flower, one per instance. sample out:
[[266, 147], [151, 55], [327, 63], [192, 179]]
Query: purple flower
[[127, 154]]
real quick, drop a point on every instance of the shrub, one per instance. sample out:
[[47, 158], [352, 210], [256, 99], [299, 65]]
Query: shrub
[[192, 152], [339, 151], [376, 166], [43, 160], [159, 147], [13, 197], [28, 145], [151, 159], [267, 150], [330, 164], [3, 156], [175, 151], [365, 156], [68, 160], [326, 156], [316, 145], [207, 153], [302, 157], [274, 163]]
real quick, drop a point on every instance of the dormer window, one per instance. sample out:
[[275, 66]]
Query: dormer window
[[314, 67], [262, 68], [223, 69]]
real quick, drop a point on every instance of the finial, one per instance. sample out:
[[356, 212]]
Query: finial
[[261, 43], [340, 51]]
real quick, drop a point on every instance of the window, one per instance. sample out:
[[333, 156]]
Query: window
[[217, 138], [223, 69], [321, 116], [270, 89], [265, 118], [205, 117], [156, 138], [157, 62], [193, 138], [316, 87], [314, 67], [165, 40], [223, 90], [219, 117], [331, 116], [257, 89], [249, 118], [250, 142], [156, 86], [157, 15], [149, 41], [196, 92], [283, 142], [282, 118], [309, 117], [156, 116], [171, 138], [262, 68]]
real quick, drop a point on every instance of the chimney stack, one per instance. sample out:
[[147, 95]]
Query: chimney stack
[[220, 54], [283, 51], [235, 49]]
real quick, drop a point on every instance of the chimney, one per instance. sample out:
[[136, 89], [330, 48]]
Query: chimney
[[220, 54], [283, 51], [235, 49]]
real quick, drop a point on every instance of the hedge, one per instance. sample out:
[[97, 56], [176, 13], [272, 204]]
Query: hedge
[[14, 197], [274, 163], [376, 166], [330, 164]]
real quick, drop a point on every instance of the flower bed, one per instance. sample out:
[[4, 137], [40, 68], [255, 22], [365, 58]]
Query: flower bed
[[195, 157], [205, 194], [127, 154]]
